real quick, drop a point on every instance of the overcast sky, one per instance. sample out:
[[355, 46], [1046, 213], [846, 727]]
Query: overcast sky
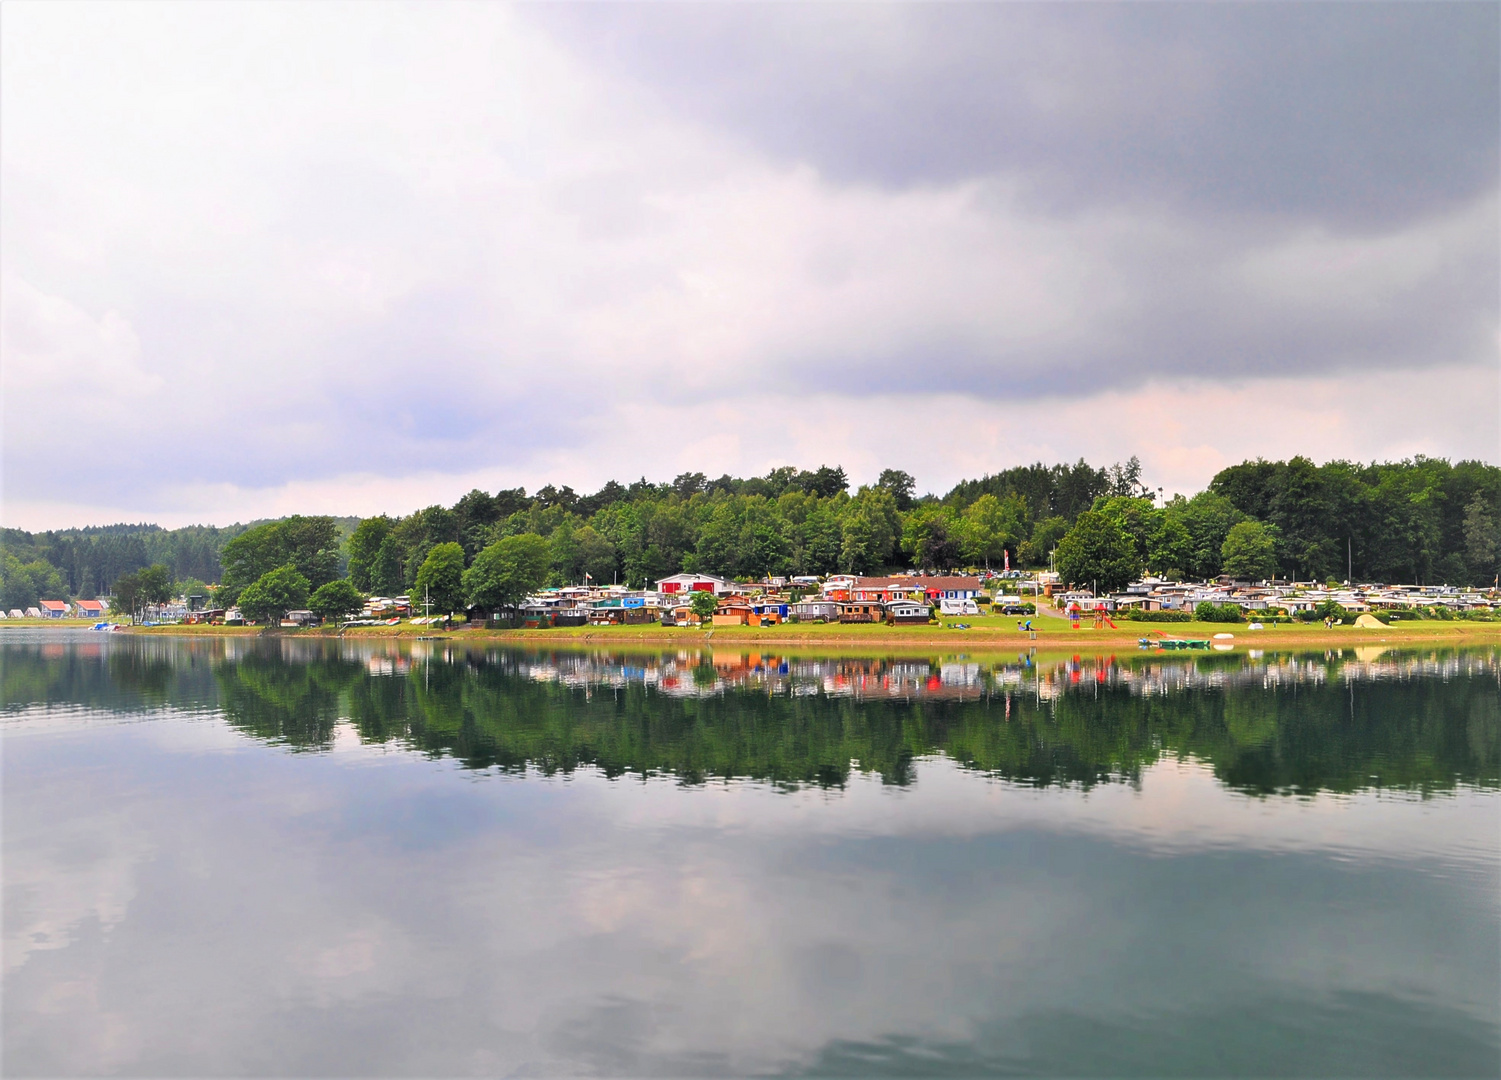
[[264, 259]]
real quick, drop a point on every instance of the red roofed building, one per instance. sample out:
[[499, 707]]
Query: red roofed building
[[683, 584]]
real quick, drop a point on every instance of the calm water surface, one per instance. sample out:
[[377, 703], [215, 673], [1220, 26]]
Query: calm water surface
[[290, 857]]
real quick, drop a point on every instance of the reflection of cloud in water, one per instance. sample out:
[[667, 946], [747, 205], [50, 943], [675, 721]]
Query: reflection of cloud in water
[[379, 916], [1178, 807], [78, 871], [176, 889]]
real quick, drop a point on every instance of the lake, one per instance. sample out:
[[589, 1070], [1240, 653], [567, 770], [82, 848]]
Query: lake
[[317, 858]]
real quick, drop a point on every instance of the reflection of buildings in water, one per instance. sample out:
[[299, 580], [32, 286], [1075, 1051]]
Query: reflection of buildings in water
[[388, 665], [707, 672], [688, 674]]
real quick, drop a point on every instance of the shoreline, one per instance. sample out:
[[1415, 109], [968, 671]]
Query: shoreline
[[860, 637]]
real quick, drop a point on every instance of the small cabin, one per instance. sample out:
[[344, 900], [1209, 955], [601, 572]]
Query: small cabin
[[862, 611], [818, 610], [908, 611], [736, 611]]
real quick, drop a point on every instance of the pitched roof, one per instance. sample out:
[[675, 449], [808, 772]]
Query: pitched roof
[[936, 581], [53, 605]]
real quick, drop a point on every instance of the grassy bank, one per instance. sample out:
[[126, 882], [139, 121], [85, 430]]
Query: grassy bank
[[986, 632]]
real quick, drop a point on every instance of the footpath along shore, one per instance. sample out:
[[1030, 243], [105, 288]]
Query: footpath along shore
[[983, 633]]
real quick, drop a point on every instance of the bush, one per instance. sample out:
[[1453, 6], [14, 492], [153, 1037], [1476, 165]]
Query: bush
[[1327, 610], [1158, 616], [1220, 613], [1398, 615]]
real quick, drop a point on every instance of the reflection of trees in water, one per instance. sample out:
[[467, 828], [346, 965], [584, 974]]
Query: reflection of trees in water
[[487, 716], [293, 702], [1419, 734], [1289, 724], [122, 675]]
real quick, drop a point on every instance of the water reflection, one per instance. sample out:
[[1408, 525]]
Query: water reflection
[[284, 857], [1267, 724]]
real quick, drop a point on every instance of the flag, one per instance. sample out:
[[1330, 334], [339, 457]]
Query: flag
[[1007, 556]]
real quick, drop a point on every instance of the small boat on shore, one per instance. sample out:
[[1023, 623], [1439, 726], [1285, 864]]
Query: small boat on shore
[[1162, 641]]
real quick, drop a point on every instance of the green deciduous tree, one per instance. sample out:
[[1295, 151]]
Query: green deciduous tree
[[869, 530], [1482, 540], [1046, 535], [1171, 549], [990, 526], [440, 579], [149, 585], [335, 599], [596, 555], [23, 584], [1206, 519], [311, 544], [507, 571], [1250, 551], [1137, 518], [126, 599], [1097, 551], [386, 575], [364, 548], [269, 597], [931, 537], [702, 603], [901, 485], [155, 584]]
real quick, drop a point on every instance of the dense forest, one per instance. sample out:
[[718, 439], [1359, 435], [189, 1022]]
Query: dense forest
[[1423, 521]]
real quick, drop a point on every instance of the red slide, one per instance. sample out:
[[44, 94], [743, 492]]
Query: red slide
[[1110, 622]]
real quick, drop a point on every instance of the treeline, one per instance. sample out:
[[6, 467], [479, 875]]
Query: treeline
[[1423, 520], [790, 521], [88, 562], [1420, 521], [92, 561]]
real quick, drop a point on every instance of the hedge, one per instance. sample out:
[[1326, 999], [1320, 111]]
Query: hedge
[[1157, 616], [1222, 613]]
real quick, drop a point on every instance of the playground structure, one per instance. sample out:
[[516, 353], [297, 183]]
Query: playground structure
[[1101, 617]]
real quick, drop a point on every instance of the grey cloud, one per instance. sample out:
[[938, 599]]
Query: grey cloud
[[419, 388], [410, 258], [1352, 113]]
